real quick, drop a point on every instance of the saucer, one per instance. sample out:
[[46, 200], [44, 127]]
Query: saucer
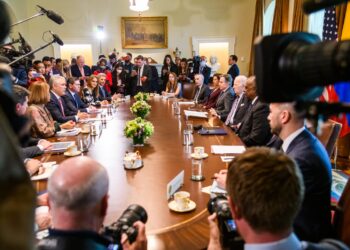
[[78, 152], [173, 207], [202, 156]]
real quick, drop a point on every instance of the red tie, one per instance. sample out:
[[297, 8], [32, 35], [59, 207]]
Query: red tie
[[61, 105]]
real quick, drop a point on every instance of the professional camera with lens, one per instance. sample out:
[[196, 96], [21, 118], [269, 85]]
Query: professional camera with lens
[[229, 237], [125, 225]]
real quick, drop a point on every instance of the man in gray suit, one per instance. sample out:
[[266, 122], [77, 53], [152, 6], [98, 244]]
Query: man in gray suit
[[225, 99]]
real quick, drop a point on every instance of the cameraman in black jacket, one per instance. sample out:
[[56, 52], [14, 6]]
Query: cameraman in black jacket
[[78, 201]]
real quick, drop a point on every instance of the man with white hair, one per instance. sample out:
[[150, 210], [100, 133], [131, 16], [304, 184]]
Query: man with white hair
[[78, 201], [240, 103], [202, 90], [57, 106], [80, 70]]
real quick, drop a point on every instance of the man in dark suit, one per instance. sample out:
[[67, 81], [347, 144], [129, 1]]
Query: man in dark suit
[[254, 129], [225, 99], [128, 66], [313, 222], [233, 70], [240, 103], [104, 95], [80, 70], [142, 76], [57, 106], [203, 68], [72, 98], [202, 91]]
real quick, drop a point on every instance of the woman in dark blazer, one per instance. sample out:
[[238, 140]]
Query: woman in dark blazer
[[213, 97]]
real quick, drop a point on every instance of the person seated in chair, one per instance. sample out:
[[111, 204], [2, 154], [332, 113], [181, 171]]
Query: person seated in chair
[[104, 96], [202, 90]]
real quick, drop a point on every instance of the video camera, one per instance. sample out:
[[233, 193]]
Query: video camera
[[229, 237], [125, 225]]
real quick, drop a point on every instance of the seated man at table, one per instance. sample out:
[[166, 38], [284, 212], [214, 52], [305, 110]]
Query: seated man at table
[[225, 99], [57, 106], [78, 201], [104, 95], [72, 98], [265, 192], [202, 90], [255, 129]]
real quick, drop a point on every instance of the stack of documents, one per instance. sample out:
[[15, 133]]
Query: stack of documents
[[198, 114], [68, 132], [219, 149]]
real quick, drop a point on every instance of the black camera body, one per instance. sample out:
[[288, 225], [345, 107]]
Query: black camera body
[[125, 225], [229, 236]]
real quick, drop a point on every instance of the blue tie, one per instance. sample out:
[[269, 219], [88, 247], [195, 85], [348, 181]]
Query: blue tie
[[103, 92], [76, 103]]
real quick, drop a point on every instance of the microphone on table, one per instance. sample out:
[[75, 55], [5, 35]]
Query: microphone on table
[[52, 15], [311, 6]]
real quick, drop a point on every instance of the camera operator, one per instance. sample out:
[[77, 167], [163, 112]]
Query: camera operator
[[265, 189], [78, 201]]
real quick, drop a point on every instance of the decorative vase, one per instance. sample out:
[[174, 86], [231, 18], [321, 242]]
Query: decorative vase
[[138, 141]]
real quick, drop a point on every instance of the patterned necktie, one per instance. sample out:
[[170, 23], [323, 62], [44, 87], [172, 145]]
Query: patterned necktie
[[233, 109], [61, 106]]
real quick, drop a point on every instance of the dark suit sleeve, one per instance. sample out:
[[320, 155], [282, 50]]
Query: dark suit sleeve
[[56, 113], [31, 152], [70, 107], [260, 132], [227, 107]]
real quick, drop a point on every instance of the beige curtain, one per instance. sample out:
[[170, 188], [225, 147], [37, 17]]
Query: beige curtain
[[280, 17], [257, 31], [340, 11], [298, 16]]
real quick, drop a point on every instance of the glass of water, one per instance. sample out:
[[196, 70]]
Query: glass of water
[[197, 170]]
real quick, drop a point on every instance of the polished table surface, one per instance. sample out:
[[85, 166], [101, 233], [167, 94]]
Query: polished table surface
[[164, 157]]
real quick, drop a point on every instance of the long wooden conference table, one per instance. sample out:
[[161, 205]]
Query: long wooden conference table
[[164, 157]]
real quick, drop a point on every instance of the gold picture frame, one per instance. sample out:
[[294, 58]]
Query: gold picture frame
[[144, 32]]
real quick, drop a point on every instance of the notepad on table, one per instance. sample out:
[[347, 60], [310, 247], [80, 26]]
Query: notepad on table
[[219, 149], [186, 103], [198, 114]]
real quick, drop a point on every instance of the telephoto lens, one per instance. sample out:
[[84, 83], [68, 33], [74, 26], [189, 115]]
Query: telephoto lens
[[125, 224]]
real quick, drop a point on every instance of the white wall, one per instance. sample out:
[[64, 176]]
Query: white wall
[[186, 18]]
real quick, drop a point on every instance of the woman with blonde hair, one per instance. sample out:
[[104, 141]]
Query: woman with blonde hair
[[43, 124], [173, 88], [66, 69], [90, 93]]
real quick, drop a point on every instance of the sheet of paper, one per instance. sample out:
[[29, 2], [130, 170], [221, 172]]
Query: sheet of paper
[[213, 189], [220, 149], [49, 168], [227, 158], [175, 184], [199, 114], [186, 103], [69, 132]]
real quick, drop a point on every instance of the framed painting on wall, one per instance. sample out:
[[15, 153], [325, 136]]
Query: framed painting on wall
[[144, 32]]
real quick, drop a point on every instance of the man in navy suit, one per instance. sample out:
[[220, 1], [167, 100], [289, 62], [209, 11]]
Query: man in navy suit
[[57, 106], [233, 70], [202, 91], [254, 130], [80, 70], [225, 99], [104, 95], [72, 99], [314, 219]]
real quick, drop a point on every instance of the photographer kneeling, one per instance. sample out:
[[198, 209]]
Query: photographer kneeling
[[78, 201], [265, 191]]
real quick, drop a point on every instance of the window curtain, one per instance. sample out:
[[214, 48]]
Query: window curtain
[[298, 16], [340, 12], [257, 30], [280, 18]]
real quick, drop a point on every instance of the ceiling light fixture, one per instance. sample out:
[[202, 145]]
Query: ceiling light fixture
[[139, 5]]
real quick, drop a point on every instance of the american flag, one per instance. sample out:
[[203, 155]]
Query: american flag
[[330, 28]]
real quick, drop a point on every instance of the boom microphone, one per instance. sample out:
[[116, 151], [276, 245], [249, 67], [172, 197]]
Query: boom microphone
[[310, 6], [52, 15], [56, 38]]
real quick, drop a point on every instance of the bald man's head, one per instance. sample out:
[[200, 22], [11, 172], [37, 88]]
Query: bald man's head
[[77, 183]]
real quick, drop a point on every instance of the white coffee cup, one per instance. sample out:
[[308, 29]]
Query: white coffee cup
[[198, 150], [182, 199]]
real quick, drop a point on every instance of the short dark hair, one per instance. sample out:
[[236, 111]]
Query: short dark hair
[[129, 54], [139, 57], [58, 60], [20, 93], [234, 57], [46, 58], [266, 187], [71, 80]]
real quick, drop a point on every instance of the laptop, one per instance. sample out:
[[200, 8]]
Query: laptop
[[58, 147]]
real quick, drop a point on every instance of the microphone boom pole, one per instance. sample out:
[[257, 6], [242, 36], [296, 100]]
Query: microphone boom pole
[[27, 19]]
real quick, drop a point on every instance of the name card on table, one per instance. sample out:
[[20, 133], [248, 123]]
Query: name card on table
[[175, 184]]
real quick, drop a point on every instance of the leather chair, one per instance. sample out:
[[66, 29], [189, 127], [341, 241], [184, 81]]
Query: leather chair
[[330, 131], [188, 90]]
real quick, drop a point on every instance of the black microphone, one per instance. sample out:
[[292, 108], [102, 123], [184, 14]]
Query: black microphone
[[24, 45], [56, 38], [310, 6], [52, 15]]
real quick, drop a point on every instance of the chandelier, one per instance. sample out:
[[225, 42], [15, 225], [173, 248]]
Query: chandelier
[[139, 5]]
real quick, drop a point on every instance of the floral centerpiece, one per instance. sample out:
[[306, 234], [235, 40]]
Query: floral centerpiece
[[139, 130], [141, 96], [140, 109]]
